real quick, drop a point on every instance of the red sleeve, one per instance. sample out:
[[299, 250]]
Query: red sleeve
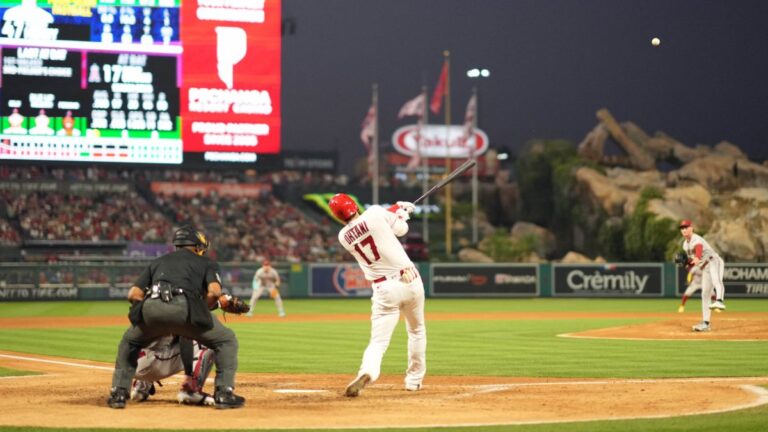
[[698, 249]]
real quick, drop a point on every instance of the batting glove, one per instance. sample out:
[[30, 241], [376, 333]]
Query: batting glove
[[408, 275], [402, 214], [407, 206]]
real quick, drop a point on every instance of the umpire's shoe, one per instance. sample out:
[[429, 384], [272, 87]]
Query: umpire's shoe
[[224, 397], [117, 397]]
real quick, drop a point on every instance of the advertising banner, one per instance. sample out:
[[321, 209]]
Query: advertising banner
[[338, 280], [230, 96], [74, 188], [439, 141], [739, 279], [190, 189], [484, 280], [607, 280], [28, 294]]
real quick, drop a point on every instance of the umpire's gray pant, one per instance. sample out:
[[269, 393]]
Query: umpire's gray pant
[[161, 319]]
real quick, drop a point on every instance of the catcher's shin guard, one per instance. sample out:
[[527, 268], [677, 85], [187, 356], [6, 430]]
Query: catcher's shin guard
[[203, 366]]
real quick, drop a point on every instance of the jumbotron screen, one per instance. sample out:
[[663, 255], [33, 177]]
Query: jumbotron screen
[[139, 81]]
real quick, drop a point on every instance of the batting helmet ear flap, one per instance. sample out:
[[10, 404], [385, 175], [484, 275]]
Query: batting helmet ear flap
[[343, 207]]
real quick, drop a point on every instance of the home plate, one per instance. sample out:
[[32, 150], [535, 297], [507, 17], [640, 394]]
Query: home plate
[[299, 391]]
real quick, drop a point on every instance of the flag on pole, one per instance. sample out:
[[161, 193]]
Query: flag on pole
[[414, 107], [367, 131], [368, 127], [469, 119], [440, 88], [416, 158]]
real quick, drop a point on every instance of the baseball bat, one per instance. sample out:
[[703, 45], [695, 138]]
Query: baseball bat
[[455, 173]]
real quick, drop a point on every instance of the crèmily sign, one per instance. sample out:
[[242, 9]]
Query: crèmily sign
[[608, 280]]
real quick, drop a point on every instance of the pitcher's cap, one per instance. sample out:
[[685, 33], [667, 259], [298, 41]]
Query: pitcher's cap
[[685, 223]]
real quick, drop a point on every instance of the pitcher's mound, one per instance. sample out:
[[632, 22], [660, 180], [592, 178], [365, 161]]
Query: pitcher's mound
[[722, 328]]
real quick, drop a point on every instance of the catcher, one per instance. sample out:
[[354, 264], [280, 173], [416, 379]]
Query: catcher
[[174, 295], [168, 356]]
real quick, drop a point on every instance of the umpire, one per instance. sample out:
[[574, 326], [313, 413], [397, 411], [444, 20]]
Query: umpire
[[174, 295]]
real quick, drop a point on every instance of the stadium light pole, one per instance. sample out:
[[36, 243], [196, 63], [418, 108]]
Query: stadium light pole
[[476, 73]]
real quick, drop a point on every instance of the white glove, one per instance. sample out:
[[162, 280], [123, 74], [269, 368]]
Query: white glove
[[407, 206], [409, 275], [402, 214]]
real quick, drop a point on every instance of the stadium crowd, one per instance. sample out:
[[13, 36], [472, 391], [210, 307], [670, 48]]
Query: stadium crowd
[[243, 229]]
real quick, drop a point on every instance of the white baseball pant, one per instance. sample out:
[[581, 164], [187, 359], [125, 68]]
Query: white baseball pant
[[389, 299]]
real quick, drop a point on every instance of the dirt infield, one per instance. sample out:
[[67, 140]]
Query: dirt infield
[[73, 392]]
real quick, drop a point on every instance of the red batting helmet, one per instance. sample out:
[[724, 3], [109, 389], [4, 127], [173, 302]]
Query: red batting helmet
[[343, 206]]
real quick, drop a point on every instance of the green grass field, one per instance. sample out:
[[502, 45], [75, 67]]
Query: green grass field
[[526, 348]]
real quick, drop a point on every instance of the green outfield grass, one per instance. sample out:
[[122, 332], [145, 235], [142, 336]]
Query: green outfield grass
[[13, 372], [527, 348]]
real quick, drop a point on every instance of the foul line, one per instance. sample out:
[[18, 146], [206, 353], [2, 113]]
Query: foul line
[[57, 362]]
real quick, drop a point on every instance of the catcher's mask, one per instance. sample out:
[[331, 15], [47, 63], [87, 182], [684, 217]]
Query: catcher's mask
[[343, 206], [188, 236]]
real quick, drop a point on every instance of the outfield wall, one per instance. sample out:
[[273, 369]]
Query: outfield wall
[[77, 281]]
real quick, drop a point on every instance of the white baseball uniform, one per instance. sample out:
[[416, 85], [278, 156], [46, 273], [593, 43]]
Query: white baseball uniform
[[266, 278], [372, 239], [694, 281], [712, 267]]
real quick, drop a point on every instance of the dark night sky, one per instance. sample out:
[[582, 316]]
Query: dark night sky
[[553, 63]]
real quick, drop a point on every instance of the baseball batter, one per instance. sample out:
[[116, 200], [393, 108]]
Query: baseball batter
[[164, 358], [702, 256], [267, 278], [371, 237]]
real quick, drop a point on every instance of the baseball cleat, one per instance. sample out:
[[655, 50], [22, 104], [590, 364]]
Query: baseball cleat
[[354, 388], [718, 304], [142, 390], [413, 387], [117, 397], [701, 327], [226, 398], [195, 398], [681, 309]]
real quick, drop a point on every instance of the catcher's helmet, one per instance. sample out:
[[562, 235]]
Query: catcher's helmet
[[343, 206], [188, 236]]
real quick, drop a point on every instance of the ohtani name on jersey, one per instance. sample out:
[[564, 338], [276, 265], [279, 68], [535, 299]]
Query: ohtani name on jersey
[[356, 232]]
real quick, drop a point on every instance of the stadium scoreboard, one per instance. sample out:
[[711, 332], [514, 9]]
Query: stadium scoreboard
[[139, 81]]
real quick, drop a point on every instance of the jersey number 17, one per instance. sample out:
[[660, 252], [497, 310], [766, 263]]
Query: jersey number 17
[[368, 242]]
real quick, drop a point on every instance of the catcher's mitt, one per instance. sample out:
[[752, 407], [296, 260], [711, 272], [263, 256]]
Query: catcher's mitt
[[233, 304], [681, 259]]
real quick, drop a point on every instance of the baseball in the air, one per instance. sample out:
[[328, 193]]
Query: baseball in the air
[[655, 41]]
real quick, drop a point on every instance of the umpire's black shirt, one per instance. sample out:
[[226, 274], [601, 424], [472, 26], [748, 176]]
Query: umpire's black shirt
[[183, 269]]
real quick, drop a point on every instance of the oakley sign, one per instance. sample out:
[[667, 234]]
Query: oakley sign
[[439, 141]]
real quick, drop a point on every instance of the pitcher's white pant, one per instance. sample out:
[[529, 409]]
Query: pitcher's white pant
[[390, 298], [711, 280]]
